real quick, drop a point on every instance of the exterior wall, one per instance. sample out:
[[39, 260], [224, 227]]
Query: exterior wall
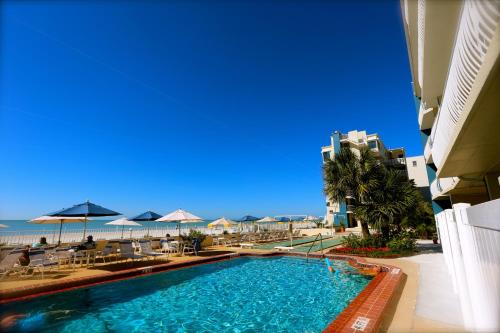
[[454, 52], [417, 170], [470, 236]]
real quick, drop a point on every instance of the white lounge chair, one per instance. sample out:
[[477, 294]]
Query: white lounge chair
[[147, 250], [39, 261], [169, 247], [127, 251]]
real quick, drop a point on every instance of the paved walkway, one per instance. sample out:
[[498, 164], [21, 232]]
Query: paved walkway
[[436, 299], [427, 302]]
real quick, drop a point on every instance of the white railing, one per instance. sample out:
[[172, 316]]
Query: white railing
[[441, 186], [427, 113], [470, 237], [478, 22], [428, 151], [75, 235]]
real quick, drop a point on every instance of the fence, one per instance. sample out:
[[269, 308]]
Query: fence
[[75, 235], [470, 237]]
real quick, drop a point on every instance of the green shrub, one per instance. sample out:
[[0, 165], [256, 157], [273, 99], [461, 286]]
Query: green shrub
[[404, 242], [355, 241], [194, 234]]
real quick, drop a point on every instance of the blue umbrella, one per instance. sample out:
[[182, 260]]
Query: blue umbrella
[[248, 218], [147, 216], [86, 209]]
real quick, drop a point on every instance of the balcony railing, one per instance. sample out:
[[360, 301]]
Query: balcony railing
[[478, 23], [396, 162], [441, 186], [428, 151]]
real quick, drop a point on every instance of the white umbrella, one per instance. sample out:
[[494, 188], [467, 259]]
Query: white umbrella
[[180, 216], [267, 219], [58, 220], [222, 222], [311, 218], [124, 222]]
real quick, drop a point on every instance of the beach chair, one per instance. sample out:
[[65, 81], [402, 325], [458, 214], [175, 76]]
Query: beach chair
[[10, 263], [107, 253], [64, 256], [170, 247], [40, 262], [188, 248], [127, 251], [147, 250]]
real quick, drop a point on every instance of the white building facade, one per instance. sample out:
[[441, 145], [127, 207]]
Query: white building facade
[[337, 213], [453, 48]]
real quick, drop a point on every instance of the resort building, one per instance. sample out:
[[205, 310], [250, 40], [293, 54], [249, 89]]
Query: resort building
[[341, 212], [453, 49]]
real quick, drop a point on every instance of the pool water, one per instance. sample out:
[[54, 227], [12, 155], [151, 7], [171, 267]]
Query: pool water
[[279, 294]]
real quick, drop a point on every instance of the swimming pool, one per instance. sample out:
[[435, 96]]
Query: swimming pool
[[249, 294]]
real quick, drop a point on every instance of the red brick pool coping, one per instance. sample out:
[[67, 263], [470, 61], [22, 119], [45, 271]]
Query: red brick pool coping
[[363, 314]]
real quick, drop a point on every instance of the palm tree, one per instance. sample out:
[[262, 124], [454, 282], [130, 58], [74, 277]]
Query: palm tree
[[388, 202], [356, 176]]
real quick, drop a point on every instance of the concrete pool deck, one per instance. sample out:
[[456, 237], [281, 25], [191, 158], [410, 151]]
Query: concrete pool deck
[[427, 302]]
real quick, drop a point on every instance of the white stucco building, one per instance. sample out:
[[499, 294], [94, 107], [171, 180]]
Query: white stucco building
[[453, 48]]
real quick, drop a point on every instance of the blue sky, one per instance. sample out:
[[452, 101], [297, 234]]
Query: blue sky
[[216, 107]]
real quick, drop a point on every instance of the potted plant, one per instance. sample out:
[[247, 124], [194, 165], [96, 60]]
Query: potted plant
[[434, 238]]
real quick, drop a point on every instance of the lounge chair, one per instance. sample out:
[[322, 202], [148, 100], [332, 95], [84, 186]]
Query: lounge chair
[[169, 247], [39, 261], [128, 252], [9, 264], [188, 248], [147, 250], [64, 256], [106, 253]]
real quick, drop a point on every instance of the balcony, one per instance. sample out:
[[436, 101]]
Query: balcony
[[436, 27], [441, 186], [428, 151], [472, 69], [396, 162], [426, 116]]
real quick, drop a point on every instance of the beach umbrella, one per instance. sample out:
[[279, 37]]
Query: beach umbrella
[[267, 219], [225, 223], [248, 218], [146, 216], [124, 222], [57, 220], [3, 226], [86, 209], [180, 216]]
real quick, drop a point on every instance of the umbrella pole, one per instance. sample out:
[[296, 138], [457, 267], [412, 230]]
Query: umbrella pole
[[179, 226], [85, 227], [123, 228], [60, 230]]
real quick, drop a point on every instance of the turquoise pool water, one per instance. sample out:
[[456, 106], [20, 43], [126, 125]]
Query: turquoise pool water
[[280, 294]]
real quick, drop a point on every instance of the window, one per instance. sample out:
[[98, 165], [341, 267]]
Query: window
[[372, 144], [414, 163], [326, 156]]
